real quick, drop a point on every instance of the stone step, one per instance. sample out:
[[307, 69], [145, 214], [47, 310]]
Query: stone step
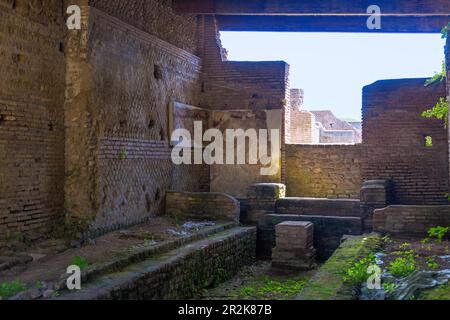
[[176, 274], [319, 207]]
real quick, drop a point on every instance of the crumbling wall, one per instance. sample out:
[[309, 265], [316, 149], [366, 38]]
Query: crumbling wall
[[31, 118], [394, 140], [323, 171]]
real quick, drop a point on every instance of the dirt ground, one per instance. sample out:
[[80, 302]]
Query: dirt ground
[[424, 252], [260, 282]]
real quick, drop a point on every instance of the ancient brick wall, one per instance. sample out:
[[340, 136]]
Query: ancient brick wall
[[202, 206], [394, 140], [410, 220], [447, 59], [324, 171], [31, 118], [235, 179], [155, 17], [243, 95], [121, 82], [303, 127]]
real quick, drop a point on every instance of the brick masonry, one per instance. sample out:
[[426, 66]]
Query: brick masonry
[[328, 232], [324, 171], [242, 95], [410, 220], [118, 164], [31, 118], [182, 274], [447, 60], [294, 248], [202, 206], [394, 140]]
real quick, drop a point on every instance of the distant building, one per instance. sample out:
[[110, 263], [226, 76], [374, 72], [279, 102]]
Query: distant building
[[317, 127]]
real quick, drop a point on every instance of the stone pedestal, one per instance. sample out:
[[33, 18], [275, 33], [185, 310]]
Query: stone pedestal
[[294, 246]]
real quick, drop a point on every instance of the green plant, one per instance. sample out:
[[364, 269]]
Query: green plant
[[265, 287], [402, 266], [428, 142], [444, 31], [357, 273], [431, 263], [404, 245], [437, 232], [123, 154], [389, 287], [386, 239], [80, 262], [438, 76], [9, 289], [439, 111], [38, 285]]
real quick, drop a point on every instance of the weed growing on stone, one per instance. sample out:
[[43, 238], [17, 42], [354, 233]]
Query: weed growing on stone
[[80, 262], [123, 154], [432, 263], [357, 273], [265, 287], [9, 289], [437, 233], [403, 265]]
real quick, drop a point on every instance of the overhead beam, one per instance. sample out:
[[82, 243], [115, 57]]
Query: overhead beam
[[330, 24], [311, 7]]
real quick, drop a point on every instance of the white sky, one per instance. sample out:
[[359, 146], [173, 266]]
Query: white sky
[[332, 68]]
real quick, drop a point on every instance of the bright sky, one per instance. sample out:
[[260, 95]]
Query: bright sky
[[332, 68]]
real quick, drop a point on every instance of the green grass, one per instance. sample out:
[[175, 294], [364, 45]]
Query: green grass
[[10, 289], [269, 288]]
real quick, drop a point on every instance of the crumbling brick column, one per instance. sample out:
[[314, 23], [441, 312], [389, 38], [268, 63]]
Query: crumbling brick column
[[375, 194], [294, 248], [261, 200]]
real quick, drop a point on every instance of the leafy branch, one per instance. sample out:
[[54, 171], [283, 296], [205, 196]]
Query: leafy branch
[[440, 110]]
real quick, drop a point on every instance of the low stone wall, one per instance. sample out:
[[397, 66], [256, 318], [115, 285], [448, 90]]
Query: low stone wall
[[179, 274], [410, 220], [202, 206], [328, 232], [328, 283], [320, 207], [323, 171]]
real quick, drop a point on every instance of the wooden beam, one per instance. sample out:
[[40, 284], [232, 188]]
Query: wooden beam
[[311, 7], [331, 24]]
